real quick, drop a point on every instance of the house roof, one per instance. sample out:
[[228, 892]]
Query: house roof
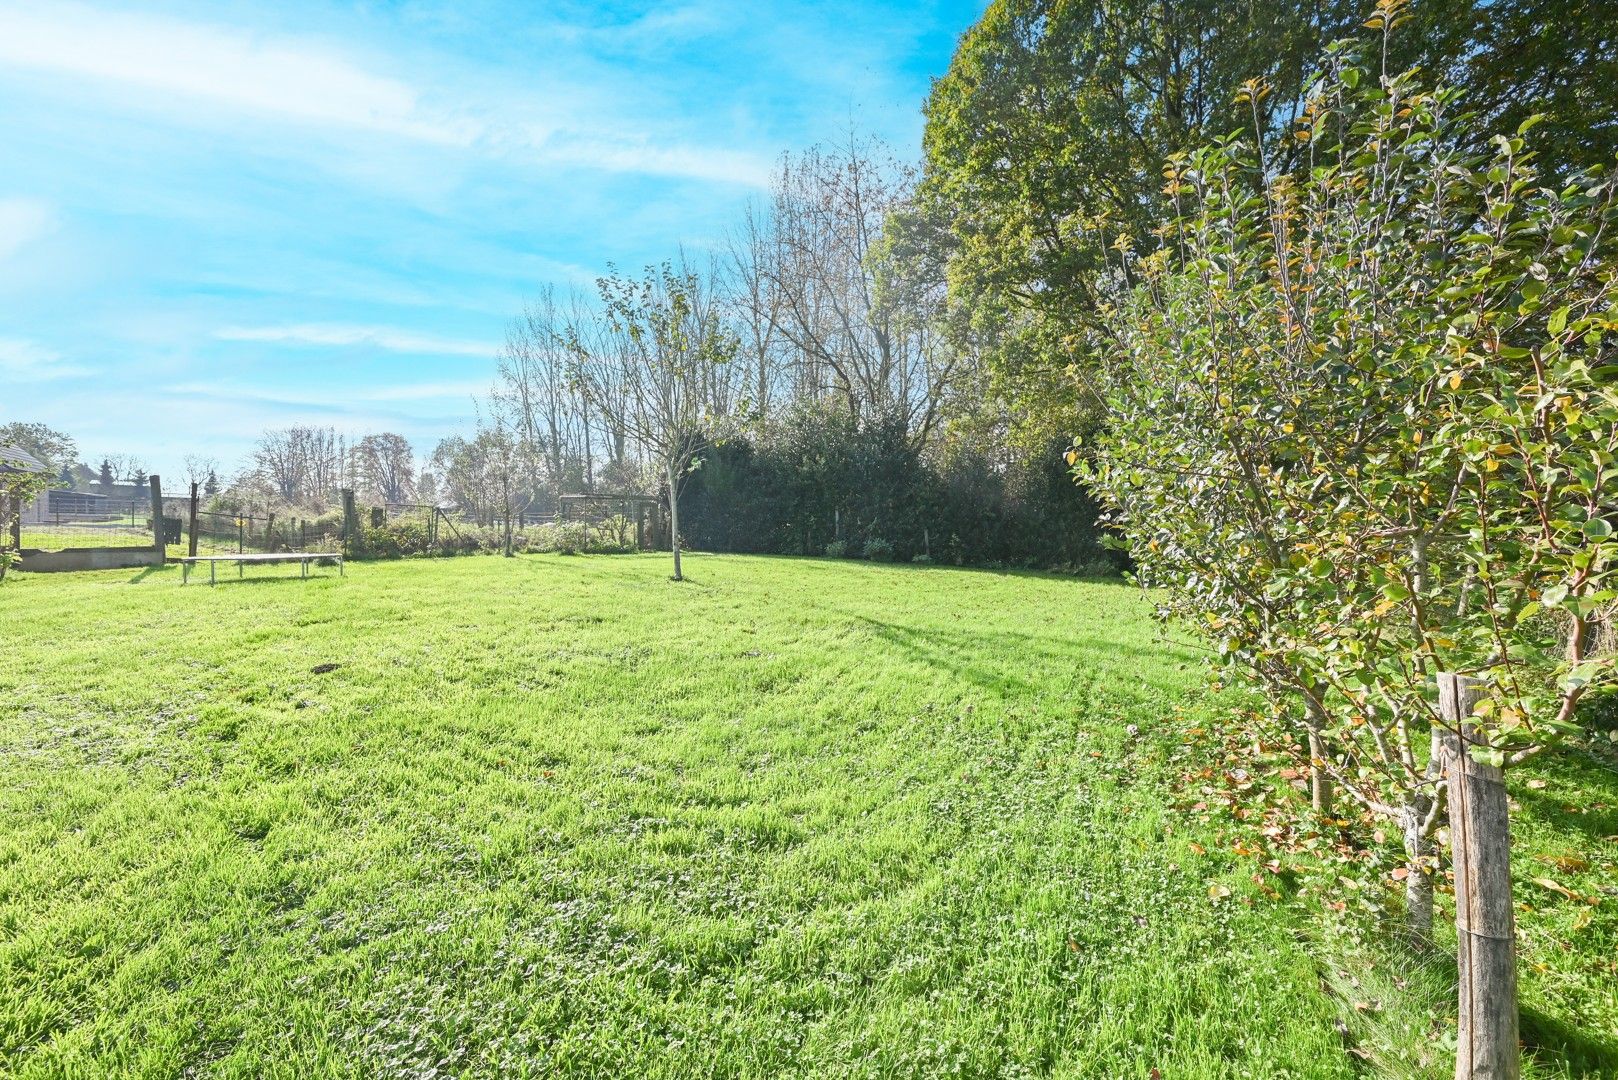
[[13, 459]]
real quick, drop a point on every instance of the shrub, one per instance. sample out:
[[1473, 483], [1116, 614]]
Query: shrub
[[1345, 413], [878, 550], [837, 549], [922, 560], [392, 540], [617, 533], [562, 538]]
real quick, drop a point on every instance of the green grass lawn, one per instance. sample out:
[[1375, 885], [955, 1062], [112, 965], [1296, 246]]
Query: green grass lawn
[[561, 816]]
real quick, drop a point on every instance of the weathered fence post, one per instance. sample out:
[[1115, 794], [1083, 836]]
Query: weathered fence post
[[269, 532], [1480, 846], [350, 520], [191, 547], [158, 540]]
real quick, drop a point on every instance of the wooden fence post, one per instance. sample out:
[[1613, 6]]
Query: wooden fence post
[[191, 547], [1480, 846], [158, 540], [351, 522], [269, 532]]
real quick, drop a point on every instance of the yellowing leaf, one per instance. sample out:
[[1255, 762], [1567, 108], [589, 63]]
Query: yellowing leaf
[[1563, 890]]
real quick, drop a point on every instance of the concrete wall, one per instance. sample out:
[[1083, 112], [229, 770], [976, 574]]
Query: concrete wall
[[101, 558]]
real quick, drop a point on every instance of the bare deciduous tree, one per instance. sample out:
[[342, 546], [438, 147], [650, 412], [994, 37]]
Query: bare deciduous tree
[[657, 364], [302, 464], [832, 276], [384, 466]]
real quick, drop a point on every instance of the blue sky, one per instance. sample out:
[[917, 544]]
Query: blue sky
[[221, 217]]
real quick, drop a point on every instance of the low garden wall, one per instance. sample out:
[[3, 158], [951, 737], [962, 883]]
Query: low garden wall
[[34, 560]]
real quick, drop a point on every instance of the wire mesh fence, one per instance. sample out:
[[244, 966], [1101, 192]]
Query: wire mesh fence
[[212, 532], [120, 524], [188, 528]]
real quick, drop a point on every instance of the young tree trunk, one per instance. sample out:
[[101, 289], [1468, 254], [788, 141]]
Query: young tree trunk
[[1419, 882], [1320, 794], [505, 496], [1319, 782], [674, 521], [1480, 843]]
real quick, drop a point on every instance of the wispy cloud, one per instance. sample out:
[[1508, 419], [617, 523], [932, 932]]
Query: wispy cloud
[[457, 391], [297, 80], [691, 162], [376, 337], [28, 361], [294, 79], [428, 391], [23, 221]]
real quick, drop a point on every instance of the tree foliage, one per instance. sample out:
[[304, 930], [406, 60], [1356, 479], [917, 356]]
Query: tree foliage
[[56, 449], [1363, 428], [1045, 137]]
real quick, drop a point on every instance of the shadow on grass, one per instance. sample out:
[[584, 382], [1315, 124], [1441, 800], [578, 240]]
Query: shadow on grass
[[1554, 1041], [924, 568], [1585, 774], [1413, 987], [960, 653], [236, 582]]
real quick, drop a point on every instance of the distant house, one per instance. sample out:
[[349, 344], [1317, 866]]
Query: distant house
[[57, 504], [14, 459], [16, 464], [63, 501]]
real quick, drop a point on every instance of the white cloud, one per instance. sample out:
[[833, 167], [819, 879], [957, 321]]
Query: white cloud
[[430, 391], [378, 337], [290, 78], [297, 80], [29, 361], [690, 162], [440, 391], [21, 222]]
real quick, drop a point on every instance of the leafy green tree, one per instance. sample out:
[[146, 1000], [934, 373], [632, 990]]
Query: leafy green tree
[[1363, 430], [1555, 59], [55, 448], [22, 478], [1046, 139]]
